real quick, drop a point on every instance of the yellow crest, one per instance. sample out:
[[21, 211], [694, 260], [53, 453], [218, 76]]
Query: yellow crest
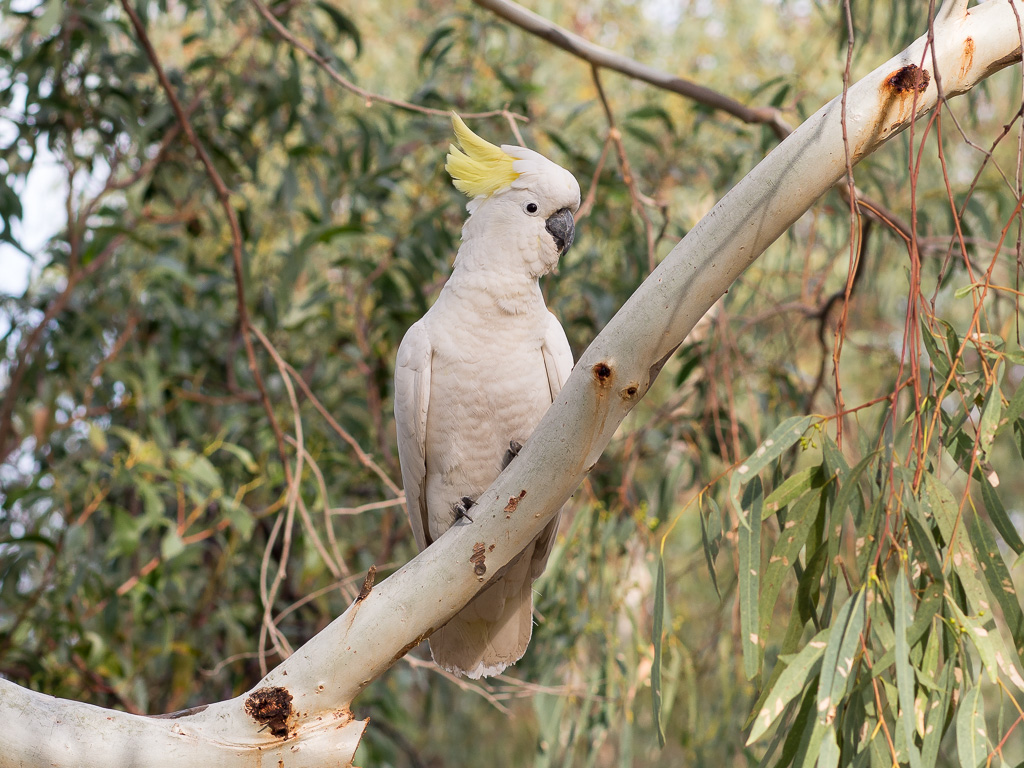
[[479, 168]]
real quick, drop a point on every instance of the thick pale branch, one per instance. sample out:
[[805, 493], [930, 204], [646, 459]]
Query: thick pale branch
[[325, 675]]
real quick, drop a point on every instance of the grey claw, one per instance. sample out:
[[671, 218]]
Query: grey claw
[[461, 509], [514, 447]]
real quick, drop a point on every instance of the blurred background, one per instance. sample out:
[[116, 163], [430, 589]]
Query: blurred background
[[150, 559]]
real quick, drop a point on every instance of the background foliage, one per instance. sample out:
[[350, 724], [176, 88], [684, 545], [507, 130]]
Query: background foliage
[[152, 558]]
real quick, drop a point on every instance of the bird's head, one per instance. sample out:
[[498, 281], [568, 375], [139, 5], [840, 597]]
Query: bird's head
[[521, 203]]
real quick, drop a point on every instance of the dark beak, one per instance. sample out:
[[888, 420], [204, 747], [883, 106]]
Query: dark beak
[[562, 229]]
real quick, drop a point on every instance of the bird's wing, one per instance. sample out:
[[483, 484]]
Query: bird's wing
[[558, 362], [557, 355], [412, 394]]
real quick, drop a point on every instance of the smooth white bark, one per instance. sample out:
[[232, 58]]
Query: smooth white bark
[[326, 674]]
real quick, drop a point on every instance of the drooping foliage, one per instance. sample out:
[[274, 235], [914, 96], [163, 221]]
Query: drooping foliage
[[197, 460]]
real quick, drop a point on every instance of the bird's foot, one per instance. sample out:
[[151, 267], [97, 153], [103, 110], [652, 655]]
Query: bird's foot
[[514, 447], [461, 509]]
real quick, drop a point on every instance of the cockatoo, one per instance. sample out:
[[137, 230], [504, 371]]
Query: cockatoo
[[475, 374]]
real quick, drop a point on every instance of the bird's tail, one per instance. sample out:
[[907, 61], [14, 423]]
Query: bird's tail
[[494, 629]]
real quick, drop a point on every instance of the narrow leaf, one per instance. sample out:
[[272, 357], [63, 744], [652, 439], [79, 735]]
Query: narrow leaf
[[935, 719], [793, 488], [904, 674], [710, 535], [965, 564], [828, 753], [659, 623], [780, 441], [939, 358], [989, 422], [786, 551], [997, 576], [997, 513], [837, 668], [799, 669], [971, 735], [921, 535], [750, 577], [981, 637]]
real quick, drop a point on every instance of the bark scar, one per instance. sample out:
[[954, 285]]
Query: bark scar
[[513, 503], [271, 707], [477, 558], [364, 593], [909, 78]]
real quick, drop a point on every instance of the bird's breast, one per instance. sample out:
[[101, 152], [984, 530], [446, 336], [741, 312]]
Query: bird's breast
[[488, 386]]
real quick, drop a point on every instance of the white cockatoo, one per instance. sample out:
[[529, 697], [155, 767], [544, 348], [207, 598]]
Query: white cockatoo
[[475, 374]]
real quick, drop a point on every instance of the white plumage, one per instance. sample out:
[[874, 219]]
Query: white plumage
[[478, 370]]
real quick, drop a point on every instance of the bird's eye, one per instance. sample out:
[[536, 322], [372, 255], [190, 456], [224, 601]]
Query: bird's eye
[[530, 207]]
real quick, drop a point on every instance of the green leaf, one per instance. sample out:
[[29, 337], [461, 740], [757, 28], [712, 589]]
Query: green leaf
[[980, 637], [904, 674], [652, 112], [837, 668], [997, 512], [935, 720], [921, 535], [989, 422], [780, 441], [791, 489], [785, 553], [1014, 408], [342, 24], [964, 562], [798, 671], [928, 610], [171, 544], [939, 358], [787, 649], [749, 577], [971, 734], [848, 488], [710, 536], [800, 731], [828, 753], [658, 631], [997, 576], [433, 41]]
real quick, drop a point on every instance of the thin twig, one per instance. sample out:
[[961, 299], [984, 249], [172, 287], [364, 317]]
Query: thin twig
[[369, 507], [588, 201], [837, 348], [639, 200], [364, 458]]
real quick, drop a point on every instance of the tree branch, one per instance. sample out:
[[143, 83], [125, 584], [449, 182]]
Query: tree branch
[[602, 57]]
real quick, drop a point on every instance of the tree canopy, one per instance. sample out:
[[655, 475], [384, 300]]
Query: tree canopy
[[197, 459]]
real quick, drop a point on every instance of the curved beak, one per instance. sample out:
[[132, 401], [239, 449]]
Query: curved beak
[[562, 229]]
